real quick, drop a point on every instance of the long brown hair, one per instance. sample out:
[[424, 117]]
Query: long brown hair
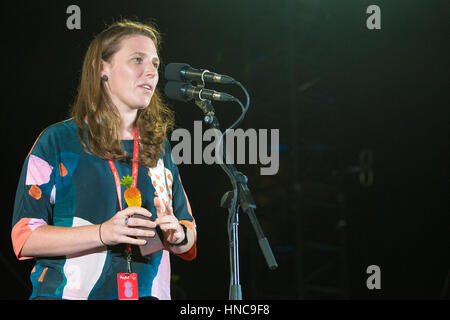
[[103, 119]]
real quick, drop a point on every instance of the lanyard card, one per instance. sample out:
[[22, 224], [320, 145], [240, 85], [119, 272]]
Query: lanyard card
[[127, 286]]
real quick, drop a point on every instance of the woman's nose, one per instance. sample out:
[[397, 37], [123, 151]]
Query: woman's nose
[[151, 70]]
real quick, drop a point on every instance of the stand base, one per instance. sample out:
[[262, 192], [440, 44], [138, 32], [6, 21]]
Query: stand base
[[235, 292]]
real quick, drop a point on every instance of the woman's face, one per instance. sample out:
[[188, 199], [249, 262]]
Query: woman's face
[[132, 73]]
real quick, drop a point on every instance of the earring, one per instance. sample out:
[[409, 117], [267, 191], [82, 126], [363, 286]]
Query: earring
[[104, 77]]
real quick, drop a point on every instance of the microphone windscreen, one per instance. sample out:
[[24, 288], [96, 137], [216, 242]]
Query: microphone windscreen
[[174, 90], [173, 71]]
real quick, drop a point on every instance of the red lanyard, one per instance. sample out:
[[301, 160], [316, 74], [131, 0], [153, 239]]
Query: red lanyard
[[134, 171]]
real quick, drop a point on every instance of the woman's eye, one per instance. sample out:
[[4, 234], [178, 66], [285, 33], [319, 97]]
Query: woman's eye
[[137, 60], [156, 65]]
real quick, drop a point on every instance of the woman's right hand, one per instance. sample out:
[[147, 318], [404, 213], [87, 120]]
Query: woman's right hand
[[122, 227]]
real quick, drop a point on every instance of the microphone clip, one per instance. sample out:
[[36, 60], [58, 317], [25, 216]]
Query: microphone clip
[[206, 106], [208, 112]]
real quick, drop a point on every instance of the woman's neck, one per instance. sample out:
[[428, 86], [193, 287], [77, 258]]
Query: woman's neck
[[126, 126]]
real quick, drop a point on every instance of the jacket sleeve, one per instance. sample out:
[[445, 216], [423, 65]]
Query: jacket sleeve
[[33, 204]]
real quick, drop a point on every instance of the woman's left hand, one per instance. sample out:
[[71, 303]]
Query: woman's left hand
[[173, 231]]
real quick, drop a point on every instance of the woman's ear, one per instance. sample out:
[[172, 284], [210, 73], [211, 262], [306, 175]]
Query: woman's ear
[[104, 67], [104, 70], [94, 65]]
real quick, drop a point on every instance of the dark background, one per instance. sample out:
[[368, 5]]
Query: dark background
[[331, 86]]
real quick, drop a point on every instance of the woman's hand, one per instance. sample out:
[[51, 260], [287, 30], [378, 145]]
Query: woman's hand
[[173, 231], [122, 227]]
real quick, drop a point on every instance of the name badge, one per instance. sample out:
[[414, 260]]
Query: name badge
[[127, 286]]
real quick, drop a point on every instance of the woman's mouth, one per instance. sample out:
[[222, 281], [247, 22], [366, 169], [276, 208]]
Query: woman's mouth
[[147, 87]]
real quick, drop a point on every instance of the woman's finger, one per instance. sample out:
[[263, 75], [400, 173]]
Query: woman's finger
[[161, 221], [169, 227], [158, 203], [141, 233], [139, 222], [164, 219], [133, 241], [169, 210], [163, 208], [123, 231], [128, 212]]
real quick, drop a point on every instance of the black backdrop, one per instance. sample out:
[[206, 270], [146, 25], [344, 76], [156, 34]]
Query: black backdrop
[[382, 90]]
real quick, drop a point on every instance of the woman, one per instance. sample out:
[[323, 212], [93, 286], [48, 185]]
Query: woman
[[70, 210]]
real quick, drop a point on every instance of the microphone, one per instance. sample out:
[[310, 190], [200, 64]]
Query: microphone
[[183, 91], [184, 72]]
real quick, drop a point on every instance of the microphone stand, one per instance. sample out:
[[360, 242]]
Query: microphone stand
[[246, 202]]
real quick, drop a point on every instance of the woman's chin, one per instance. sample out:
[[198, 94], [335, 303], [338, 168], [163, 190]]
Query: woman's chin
[[142, 105]]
